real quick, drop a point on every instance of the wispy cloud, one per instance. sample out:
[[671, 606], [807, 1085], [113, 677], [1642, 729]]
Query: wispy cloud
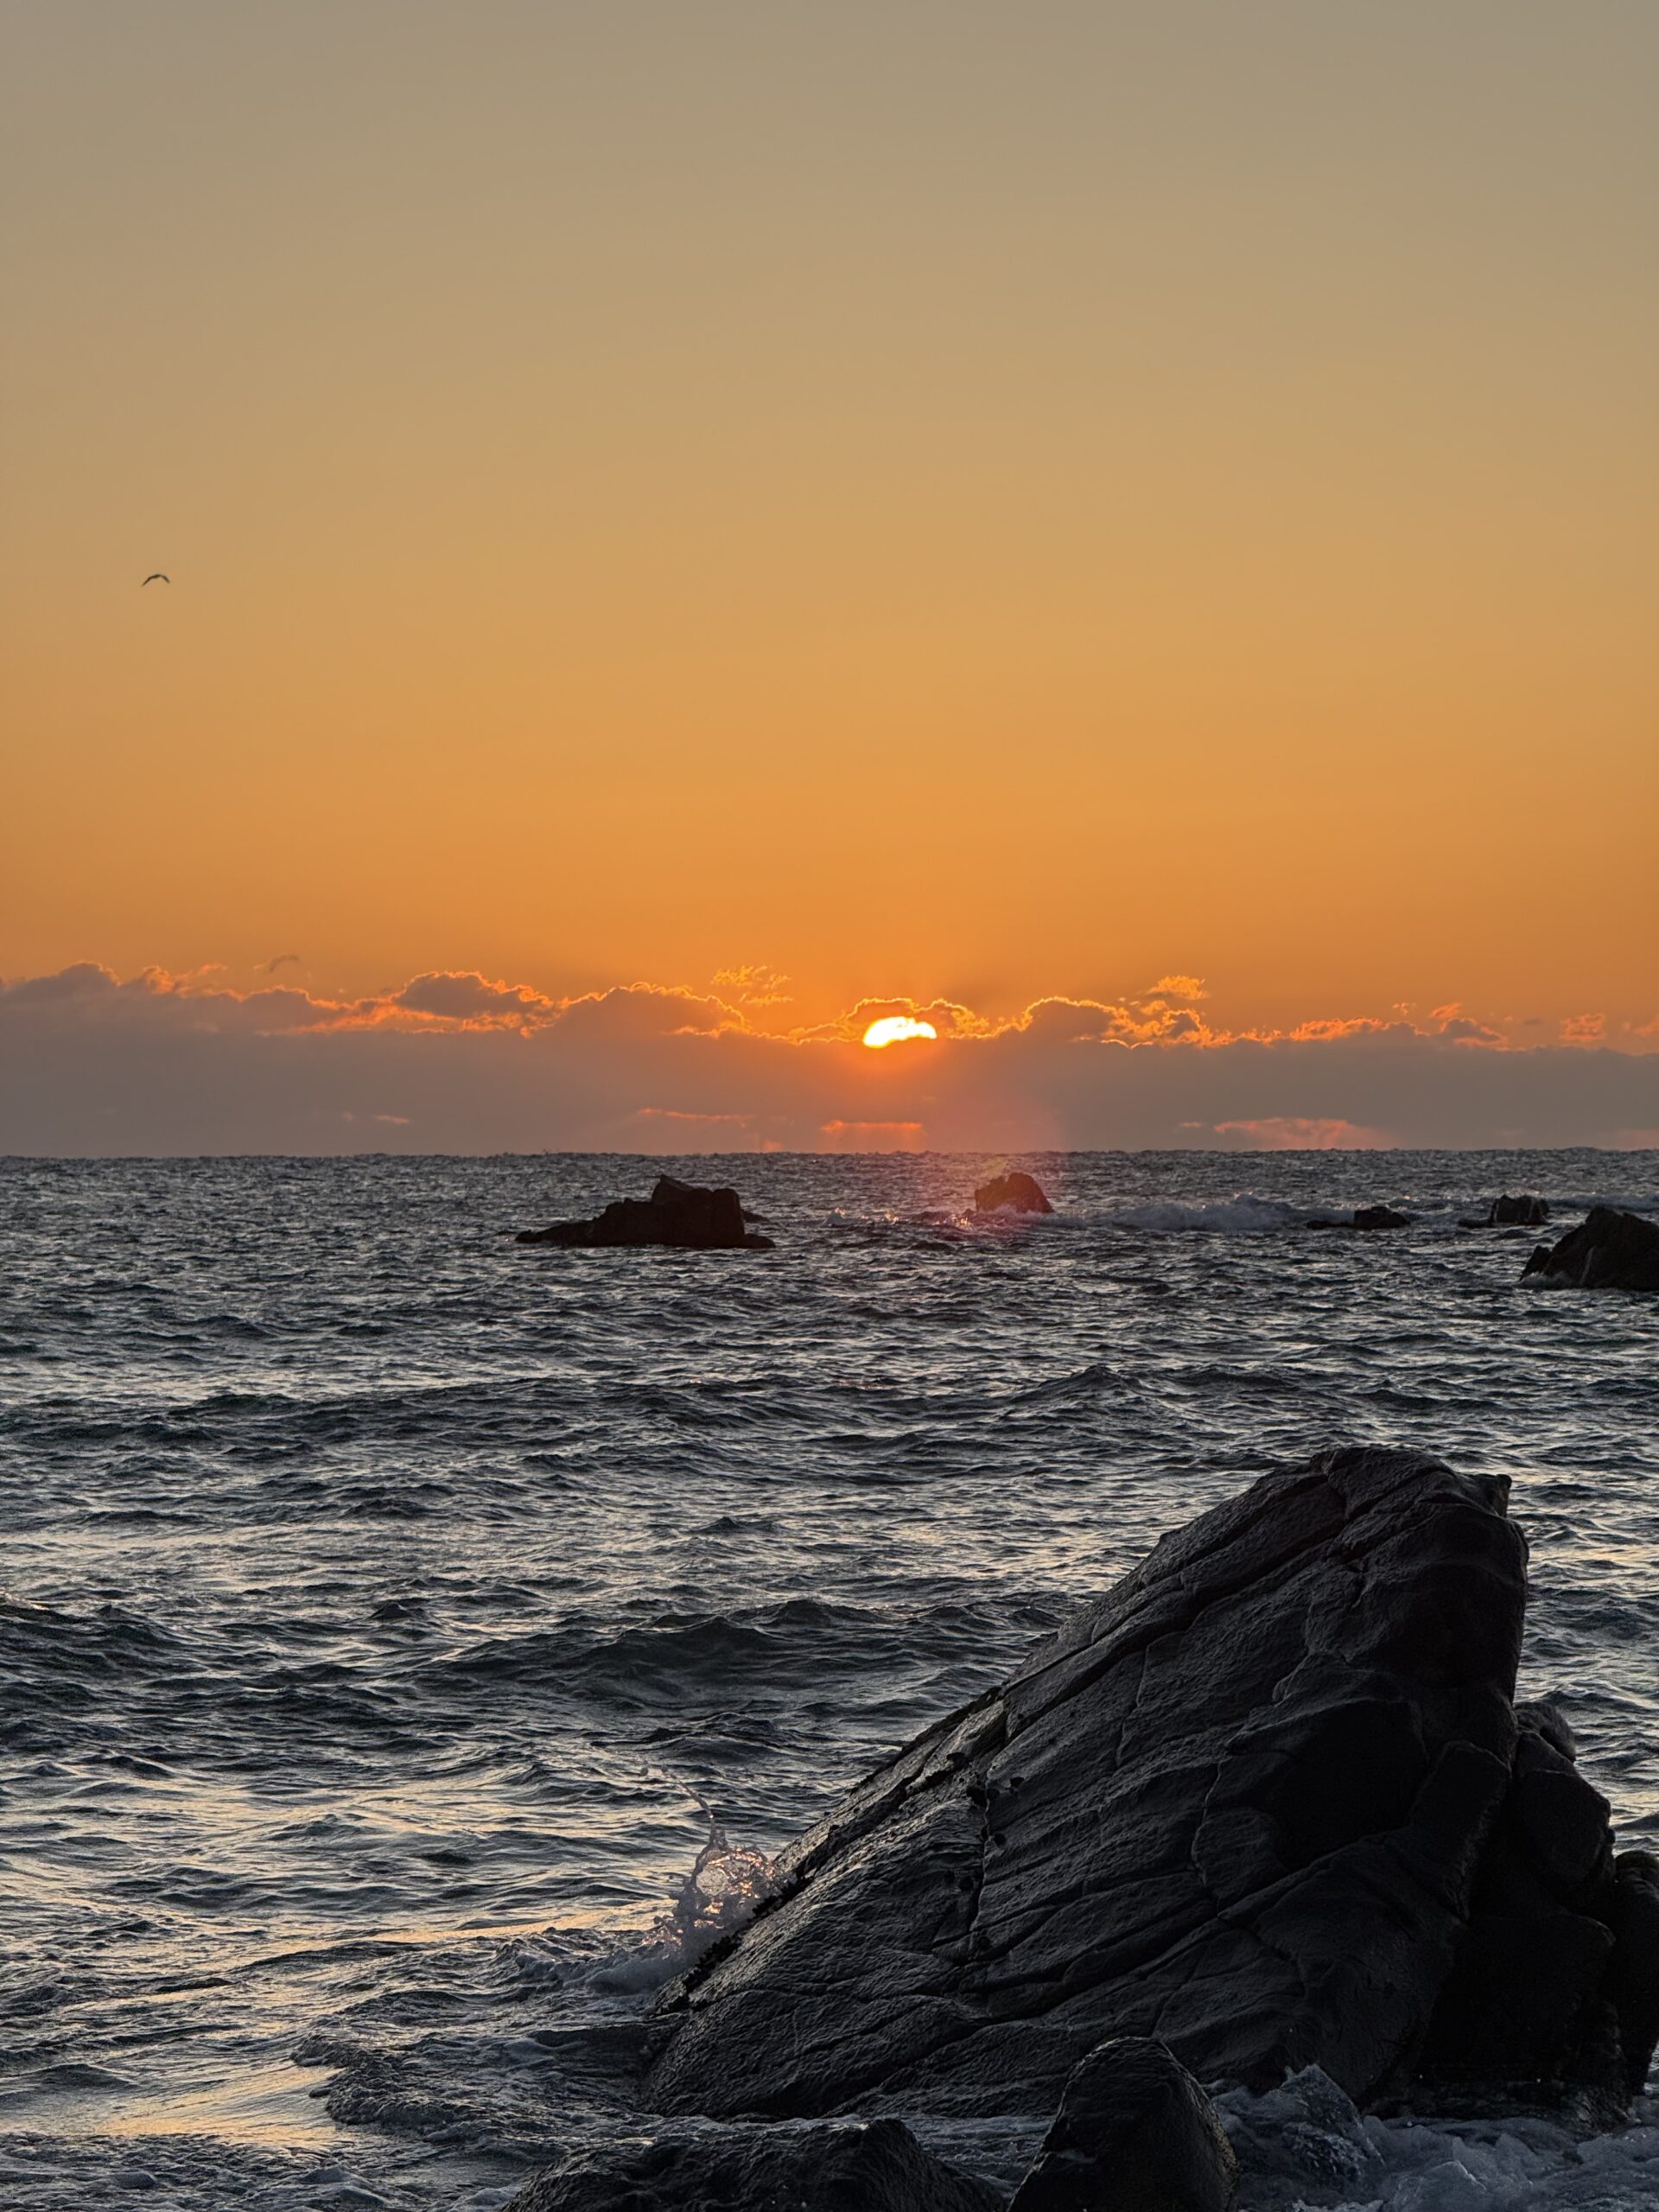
[[873, 1136], [753, 984], [1294, 1133], [1584, 1029]]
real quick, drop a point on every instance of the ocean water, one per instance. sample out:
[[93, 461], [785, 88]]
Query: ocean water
[[391, 1618]]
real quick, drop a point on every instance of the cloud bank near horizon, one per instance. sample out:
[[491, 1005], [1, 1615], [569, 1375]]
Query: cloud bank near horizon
[[454, 1061]]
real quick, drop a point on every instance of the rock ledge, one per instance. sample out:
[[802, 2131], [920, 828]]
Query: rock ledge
[[687, 1216]]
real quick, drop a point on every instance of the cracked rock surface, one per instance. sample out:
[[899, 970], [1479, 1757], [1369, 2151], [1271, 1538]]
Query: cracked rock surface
[[1609, 1251], [1240, 1805]]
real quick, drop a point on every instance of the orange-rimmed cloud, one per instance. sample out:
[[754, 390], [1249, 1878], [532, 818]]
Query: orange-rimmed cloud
[[943, 1016], [753, 983], [1584, 1029], [646, 1010], [464, 995]]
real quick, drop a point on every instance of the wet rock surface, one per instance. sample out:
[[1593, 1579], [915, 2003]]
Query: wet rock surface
[[1018, 1192], [688, 1216], [1609, 1251], [845, 2166], [1239, 1805], [1134, 2134], [1521, 1209]]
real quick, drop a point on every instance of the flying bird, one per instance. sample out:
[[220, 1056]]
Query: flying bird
[[155, 577]]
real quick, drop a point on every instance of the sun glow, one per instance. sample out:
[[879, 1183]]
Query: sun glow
[[896, 1029]]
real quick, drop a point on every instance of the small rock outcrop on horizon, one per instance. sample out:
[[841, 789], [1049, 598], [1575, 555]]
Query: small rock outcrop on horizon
[[1135, 2133], [1522, 1210], [1017, 1192], [843, 2167], [1609, 1251], [1264, 1802], [688, 1216], [1368, 1217]]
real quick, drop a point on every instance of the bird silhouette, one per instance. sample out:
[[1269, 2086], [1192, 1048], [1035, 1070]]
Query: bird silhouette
[[155, 577]]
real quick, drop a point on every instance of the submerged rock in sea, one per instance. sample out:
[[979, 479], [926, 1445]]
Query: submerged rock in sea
[[1366, 1218], [1522, 1210], [1243, 1805], [1609, 1251], [1135, 2133], [1017, 1192], [686, 1215], [842, 2166]]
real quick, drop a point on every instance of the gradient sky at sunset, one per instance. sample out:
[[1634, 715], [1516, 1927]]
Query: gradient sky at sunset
[[938, 502]]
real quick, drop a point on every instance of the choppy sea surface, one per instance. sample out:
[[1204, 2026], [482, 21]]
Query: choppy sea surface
[[390, 1615]]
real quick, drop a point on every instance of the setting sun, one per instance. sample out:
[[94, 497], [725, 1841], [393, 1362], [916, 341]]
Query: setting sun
[[896, 1029]]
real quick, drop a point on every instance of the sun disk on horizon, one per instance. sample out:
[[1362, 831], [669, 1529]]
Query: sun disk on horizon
[[896, 1029]]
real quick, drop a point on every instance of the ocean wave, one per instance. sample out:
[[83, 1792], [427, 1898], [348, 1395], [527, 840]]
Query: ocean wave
[[1305, 2144], [725, 1889], [793, 1645], [1247, 1213]]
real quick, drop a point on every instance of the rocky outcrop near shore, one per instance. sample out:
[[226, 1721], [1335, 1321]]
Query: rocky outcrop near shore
[[1609, 1251], [1258, 1803], [1514, 1210], [687, 1216], [1365, 1217], [842, 2166], [1135, 2133], [1014, 1193]]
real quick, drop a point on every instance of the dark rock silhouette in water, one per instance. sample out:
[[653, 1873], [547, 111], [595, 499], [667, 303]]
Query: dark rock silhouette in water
[[1367, 1218], [1018, 1192], [1134, 2134], [686, 1215], [1522, 1210], [843, 2167], [1556, 1985], [1609, 1251], [1243, 1805]]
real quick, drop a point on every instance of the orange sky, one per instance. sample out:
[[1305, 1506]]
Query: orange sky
[[938, 500]]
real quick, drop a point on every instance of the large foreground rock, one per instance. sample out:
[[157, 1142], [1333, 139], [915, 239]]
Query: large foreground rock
[[1134, 2134], [1238, 1806], [1243, 1805], [845, 2166], [1609, 1251], [686, 1215]]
